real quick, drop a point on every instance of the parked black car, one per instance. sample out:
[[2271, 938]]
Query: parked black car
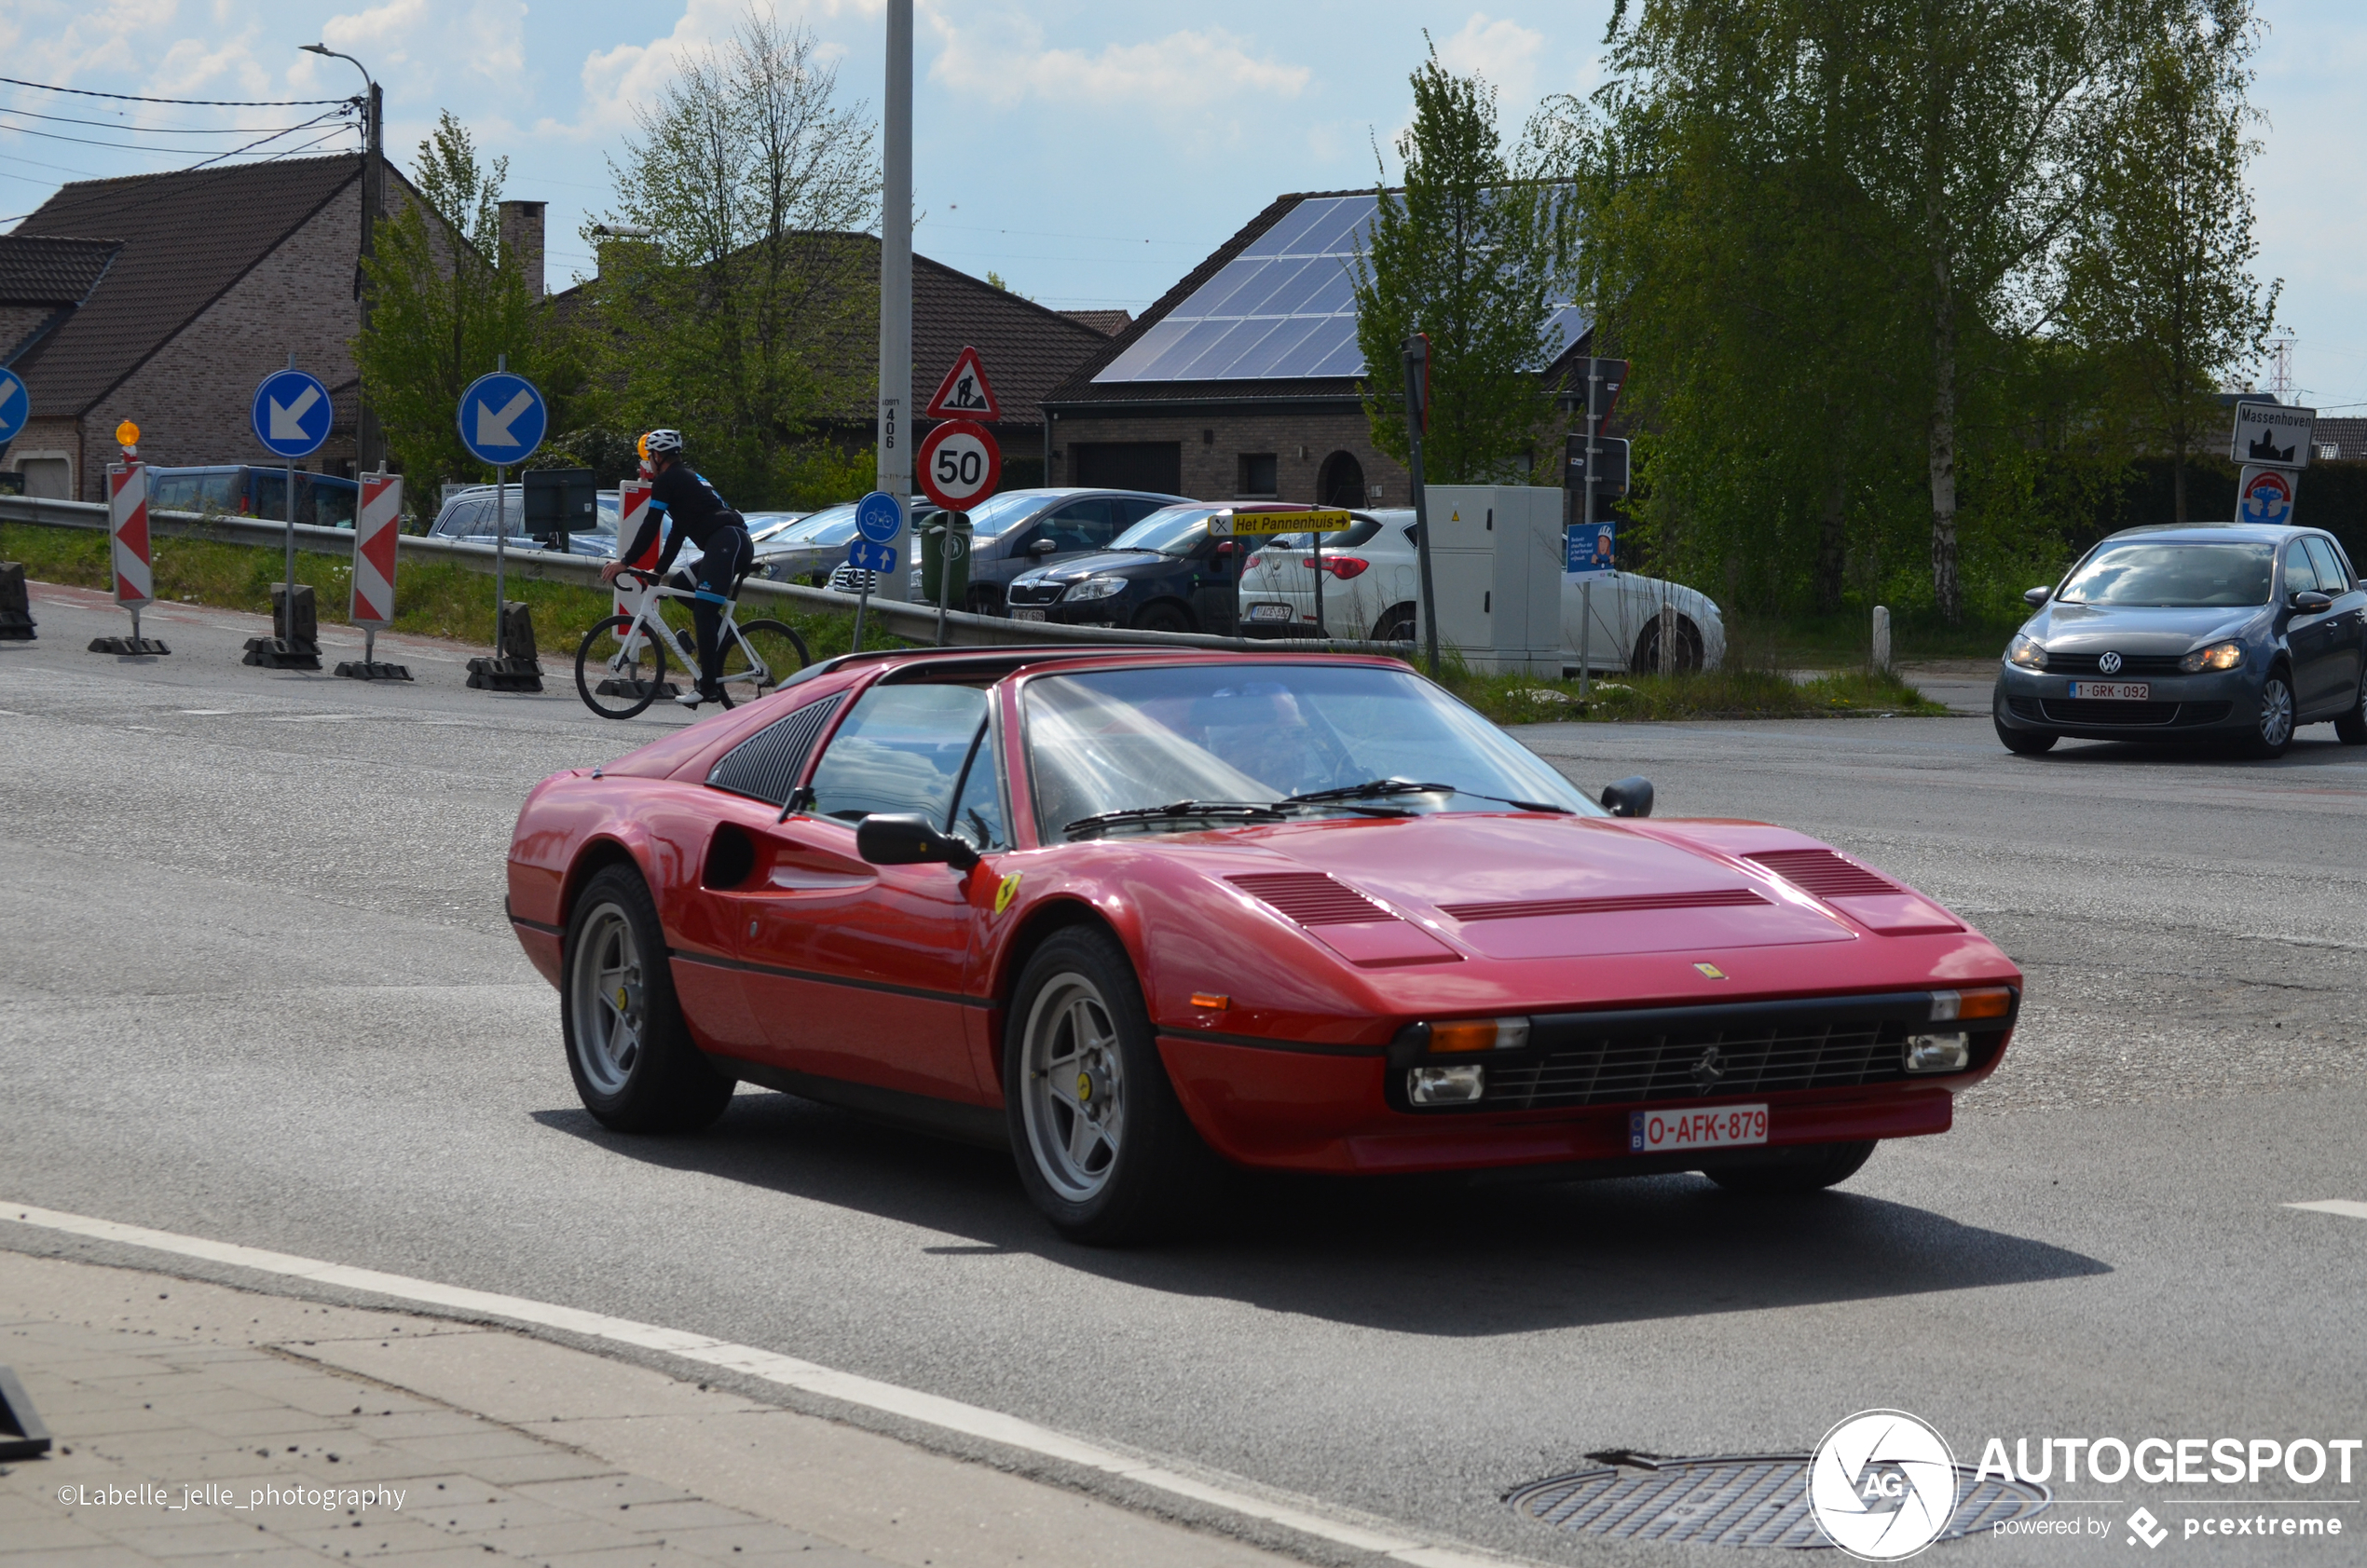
[[1168, 573], [2231, 632], [1017, 530]]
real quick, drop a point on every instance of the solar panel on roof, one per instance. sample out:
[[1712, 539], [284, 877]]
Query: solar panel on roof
[[1283, 309]]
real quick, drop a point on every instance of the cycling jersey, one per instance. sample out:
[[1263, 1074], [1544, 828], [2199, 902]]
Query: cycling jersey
[[685, 497]]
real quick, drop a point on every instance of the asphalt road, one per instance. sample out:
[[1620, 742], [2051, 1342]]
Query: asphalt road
[[258, 988]]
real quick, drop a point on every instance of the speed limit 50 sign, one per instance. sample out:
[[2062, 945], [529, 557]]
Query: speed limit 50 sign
[[960, 464]]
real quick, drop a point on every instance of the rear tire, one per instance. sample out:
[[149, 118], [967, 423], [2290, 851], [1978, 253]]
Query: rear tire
[[1803, 1168], [777, 644], [2351, 728], [2025, 742], [1103, 1148], [645, 671], [630, 1055], [1396, 625]]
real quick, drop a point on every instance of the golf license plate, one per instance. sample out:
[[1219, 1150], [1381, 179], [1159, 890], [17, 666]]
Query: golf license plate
[[1027, 615], [2113, 690], [1269, 612], [1717, 1126]]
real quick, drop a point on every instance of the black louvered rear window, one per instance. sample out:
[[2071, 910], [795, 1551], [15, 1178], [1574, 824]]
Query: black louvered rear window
[[765, 766]]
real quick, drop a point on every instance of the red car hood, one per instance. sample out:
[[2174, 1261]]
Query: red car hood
[[1521, 887]]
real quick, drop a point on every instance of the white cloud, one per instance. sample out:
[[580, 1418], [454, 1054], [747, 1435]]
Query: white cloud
[[1004, 62], [1503, 51]]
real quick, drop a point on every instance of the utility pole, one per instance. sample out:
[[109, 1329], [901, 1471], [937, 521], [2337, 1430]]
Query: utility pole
[[1418, 414], [368, 450], [896, 296]]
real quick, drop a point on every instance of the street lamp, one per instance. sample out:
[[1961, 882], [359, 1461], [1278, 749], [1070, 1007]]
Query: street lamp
[[366, 448]]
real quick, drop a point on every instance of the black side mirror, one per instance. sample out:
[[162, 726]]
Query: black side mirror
[[1629, 797], [2308, 601], [2034, 597], [1043, 547], [903, 839]]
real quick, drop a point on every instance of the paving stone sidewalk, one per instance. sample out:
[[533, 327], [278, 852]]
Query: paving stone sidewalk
[[197, 1425]]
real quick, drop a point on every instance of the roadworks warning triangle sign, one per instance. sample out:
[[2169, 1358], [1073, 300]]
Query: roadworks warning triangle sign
[[964, 393]]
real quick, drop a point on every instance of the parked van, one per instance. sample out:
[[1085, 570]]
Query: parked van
[[249, 490]]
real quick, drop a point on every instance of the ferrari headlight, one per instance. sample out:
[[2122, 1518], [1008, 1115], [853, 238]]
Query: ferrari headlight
[[2026, 652], [1095, 588], [1938, 1053], [2218, 656], [1446, 1085]]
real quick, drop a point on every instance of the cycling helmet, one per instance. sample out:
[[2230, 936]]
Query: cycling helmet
[[669, 443]]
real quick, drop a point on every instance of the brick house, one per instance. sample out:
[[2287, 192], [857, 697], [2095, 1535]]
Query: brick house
[[165, 298], [1242, 382]]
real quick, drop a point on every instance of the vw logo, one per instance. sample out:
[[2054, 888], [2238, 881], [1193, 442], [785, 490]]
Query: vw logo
[[2109, 663], [1883, 1486]]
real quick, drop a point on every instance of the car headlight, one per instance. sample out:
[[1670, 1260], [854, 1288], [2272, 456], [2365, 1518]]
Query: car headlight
[[1446, 1085], [2218, 656], [1095, 588], [2026, 652]]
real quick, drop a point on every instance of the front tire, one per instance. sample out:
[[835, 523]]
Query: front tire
[[631, 1054], [633, 681], [1162, 617], [1104, 1150], [1803, 1168], [2025, 742], [2273, 731], [1647, 648]]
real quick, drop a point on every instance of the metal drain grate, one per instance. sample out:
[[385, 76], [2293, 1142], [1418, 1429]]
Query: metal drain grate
[[1731, 1500]]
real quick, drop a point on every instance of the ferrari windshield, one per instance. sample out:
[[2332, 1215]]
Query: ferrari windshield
[[1231, 739], [2158, 573]]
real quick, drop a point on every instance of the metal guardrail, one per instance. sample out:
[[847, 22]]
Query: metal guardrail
[[914, 622]]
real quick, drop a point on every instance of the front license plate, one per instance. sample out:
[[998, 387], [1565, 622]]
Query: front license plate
[[2113, 690], [1027, 615], [1719, 1126], [1269, 612]]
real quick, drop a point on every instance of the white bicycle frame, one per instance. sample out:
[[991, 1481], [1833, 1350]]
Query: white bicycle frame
[[651, 595]]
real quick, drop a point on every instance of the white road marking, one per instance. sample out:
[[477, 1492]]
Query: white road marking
[[950, 1415], [2350, 1208]]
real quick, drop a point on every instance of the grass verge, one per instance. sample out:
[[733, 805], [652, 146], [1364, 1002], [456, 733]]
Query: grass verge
[[1712, 694], [431, 599]]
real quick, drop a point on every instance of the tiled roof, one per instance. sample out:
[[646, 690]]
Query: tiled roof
[[186, 237], [1109, 324], [40, 270], [1027, 349], [2348, 436]]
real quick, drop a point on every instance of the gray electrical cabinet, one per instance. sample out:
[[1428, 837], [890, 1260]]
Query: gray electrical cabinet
[[1496, 557]]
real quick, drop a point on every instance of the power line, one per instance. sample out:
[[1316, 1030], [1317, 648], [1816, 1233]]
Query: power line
[[192, 102], [151, 130], [135, 146]]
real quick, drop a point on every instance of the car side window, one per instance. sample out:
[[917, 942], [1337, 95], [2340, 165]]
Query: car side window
[[978, 806], [2300, 576], [901, 749], [2331, 577], [1081, 526], [1127, 511]]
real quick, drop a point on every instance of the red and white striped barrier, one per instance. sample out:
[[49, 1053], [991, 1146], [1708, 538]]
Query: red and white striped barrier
[[377, 526], [135, 585], [127, 528], [632, 507]]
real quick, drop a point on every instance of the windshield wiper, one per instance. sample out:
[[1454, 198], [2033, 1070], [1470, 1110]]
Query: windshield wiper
[[1244, 811], [1373, 789]]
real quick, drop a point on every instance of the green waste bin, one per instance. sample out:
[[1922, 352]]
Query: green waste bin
[[935, 551]]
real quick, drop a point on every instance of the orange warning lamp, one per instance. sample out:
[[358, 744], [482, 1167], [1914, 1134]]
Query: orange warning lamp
[[127, 435]]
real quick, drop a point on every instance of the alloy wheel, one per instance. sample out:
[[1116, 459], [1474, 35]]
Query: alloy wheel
[[610, 1017], [2275, 713], [1075, 1095]]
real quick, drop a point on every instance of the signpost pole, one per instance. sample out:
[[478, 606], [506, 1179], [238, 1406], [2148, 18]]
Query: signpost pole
[[896, 285], [1315, 542], [944, 569], [1585, 632], [1418, 363], [288, 615], [500, 542], [1586, 524], [862, 599]]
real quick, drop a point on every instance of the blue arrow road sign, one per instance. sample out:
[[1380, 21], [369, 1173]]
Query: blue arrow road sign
[[866, 556], [16, 406], [879, 518], [502, 418], [291, 413]]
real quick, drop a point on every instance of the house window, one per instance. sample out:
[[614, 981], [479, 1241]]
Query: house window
[[1260, 474]]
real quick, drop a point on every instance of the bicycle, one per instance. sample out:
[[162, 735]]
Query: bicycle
[[620, 668]]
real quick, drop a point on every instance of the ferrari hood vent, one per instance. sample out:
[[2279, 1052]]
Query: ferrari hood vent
[[1311, 898], [1627, 904], [1825, 873]]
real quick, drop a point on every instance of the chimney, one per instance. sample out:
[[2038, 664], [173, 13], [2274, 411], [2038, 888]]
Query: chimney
[[522, 242]]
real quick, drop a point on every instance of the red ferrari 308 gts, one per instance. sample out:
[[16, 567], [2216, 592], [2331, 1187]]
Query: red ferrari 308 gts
[[1115, 908]]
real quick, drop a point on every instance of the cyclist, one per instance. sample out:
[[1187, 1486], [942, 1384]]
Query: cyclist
[[698, 515]]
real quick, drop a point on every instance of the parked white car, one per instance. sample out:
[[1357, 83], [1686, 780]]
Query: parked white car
[[1372, 588]]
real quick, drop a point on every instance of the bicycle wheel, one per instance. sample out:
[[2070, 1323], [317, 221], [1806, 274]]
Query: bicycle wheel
[[764, 654], [617, 681]]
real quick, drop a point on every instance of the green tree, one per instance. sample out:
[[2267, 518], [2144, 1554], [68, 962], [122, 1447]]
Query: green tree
[[2160, 286], [1469, 254], [448, 306], [748, 315]]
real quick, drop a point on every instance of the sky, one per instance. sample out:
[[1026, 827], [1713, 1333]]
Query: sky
[[1088, 153]]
